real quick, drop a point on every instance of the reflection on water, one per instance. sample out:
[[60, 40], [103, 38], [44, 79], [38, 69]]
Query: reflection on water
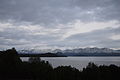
[[79, 62]]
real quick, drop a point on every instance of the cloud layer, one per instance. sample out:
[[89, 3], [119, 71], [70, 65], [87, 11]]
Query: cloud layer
[[60, 23]]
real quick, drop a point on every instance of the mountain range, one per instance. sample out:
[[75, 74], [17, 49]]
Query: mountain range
[[75, 52]]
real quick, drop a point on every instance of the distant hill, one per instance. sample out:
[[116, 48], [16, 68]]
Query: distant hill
[[41, 55]]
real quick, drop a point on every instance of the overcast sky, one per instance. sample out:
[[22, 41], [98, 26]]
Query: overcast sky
[[59, 23]]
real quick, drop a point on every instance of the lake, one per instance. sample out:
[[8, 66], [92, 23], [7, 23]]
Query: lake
[[79, 62]]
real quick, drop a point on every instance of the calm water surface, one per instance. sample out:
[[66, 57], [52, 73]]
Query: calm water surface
[[79, 62]]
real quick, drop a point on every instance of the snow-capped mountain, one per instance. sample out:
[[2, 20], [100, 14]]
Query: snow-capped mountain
[[35, 51], [75, 51]]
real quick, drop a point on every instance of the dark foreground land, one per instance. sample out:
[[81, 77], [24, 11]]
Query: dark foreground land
[[12, 68]]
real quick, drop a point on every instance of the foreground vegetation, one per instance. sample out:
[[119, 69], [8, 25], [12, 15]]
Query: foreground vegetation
[[12, 68]]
